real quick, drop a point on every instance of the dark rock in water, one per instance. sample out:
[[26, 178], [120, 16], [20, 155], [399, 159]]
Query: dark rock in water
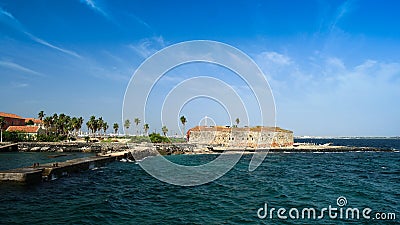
[[56, 156], [141, 153]]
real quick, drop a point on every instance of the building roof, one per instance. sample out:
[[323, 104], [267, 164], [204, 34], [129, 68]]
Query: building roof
[[35, 121], [229, 129], [23, 129], [10, 115]]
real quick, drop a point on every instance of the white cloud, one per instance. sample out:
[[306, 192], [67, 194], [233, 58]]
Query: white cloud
[[324, 96], [341, 11], [148, 46], [93, 5], [19, 85], [274, 57], [43, 42], [13, 22], [18, 67]]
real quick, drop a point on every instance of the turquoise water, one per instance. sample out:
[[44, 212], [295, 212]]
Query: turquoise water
[[11, 160], [123, 193]]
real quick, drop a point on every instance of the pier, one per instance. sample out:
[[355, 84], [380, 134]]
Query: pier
[[9, 148], [51, 171]]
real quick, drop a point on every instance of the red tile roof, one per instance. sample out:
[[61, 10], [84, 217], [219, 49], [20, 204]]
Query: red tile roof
[[9, 115], [23, 129], [35, 121]]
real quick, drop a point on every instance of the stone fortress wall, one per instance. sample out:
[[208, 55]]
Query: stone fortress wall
[[246, 137]]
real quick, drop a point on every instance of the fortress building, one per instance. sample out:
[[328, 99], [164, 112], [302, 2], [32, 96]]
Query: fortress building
[[246, 137]]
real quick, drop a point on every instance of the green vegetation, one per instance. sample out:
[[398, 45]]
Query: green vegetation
[[50, 138], [16, 137], [61, 127], [177, 140], [157, 138], [30, 122], [97, 125], [2, 123], [164, 130], [146, 128], [41, 115], [140, 139], [115, 127], [127, 124], [183, 121], [137, 121]]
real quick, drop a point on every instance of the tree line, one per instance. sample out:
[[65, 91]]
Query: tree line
[[146, 127], [62, 126]]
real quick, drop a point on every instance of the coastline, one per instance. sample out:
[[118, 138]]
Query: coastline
[[177, 148]]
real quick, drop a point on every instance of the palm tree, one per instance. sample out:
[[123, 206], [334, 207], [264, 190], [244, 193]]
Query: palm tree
[[95, 125], [76, 124], [105, 127], [137, 121], [54, 120], [92, 124], [100, 124], [115, 126], [164, 130], [60, 123], [89, 126], [127, 124], [41, 115], [146, 128], [183, 121], [2, 123], [237, 121], [80, 122], [47, 122]]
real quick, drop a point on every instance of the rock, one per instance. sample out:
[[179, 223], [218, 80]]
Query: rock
[[35, 149]]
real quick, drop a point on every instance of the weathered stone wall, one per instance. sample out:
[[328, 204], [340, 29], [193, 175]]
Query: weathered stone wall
[[70, 147], [254, 138]]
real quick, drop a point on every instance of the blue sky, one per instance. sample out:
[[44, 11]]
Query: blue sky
[[333, 66]]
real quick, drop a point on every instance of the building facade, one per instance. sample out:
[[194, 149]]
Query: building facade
[[11, 120], [27, 131], [253, 137], [35, 122]]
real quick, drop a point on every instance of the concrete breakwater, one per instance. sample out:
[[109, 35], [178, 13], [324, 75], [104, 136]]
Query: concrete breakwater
[[8, 147], [51, 171]]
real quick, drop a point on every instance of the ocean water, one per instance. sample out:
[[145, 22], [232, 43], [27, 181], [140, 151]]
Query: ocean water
[[123, 193]]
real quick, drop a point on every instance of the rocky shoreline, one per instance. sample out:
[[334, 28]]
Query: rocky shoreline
[[171, 149], [71, 147]]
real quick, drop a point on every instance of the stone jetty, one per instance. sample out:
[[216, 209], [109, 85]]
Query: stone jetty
[[51, 171], [9, 147]]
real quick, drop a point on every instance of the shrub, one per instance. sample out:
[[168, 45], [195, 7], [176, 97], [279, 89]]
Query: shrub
[[157, 138]]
